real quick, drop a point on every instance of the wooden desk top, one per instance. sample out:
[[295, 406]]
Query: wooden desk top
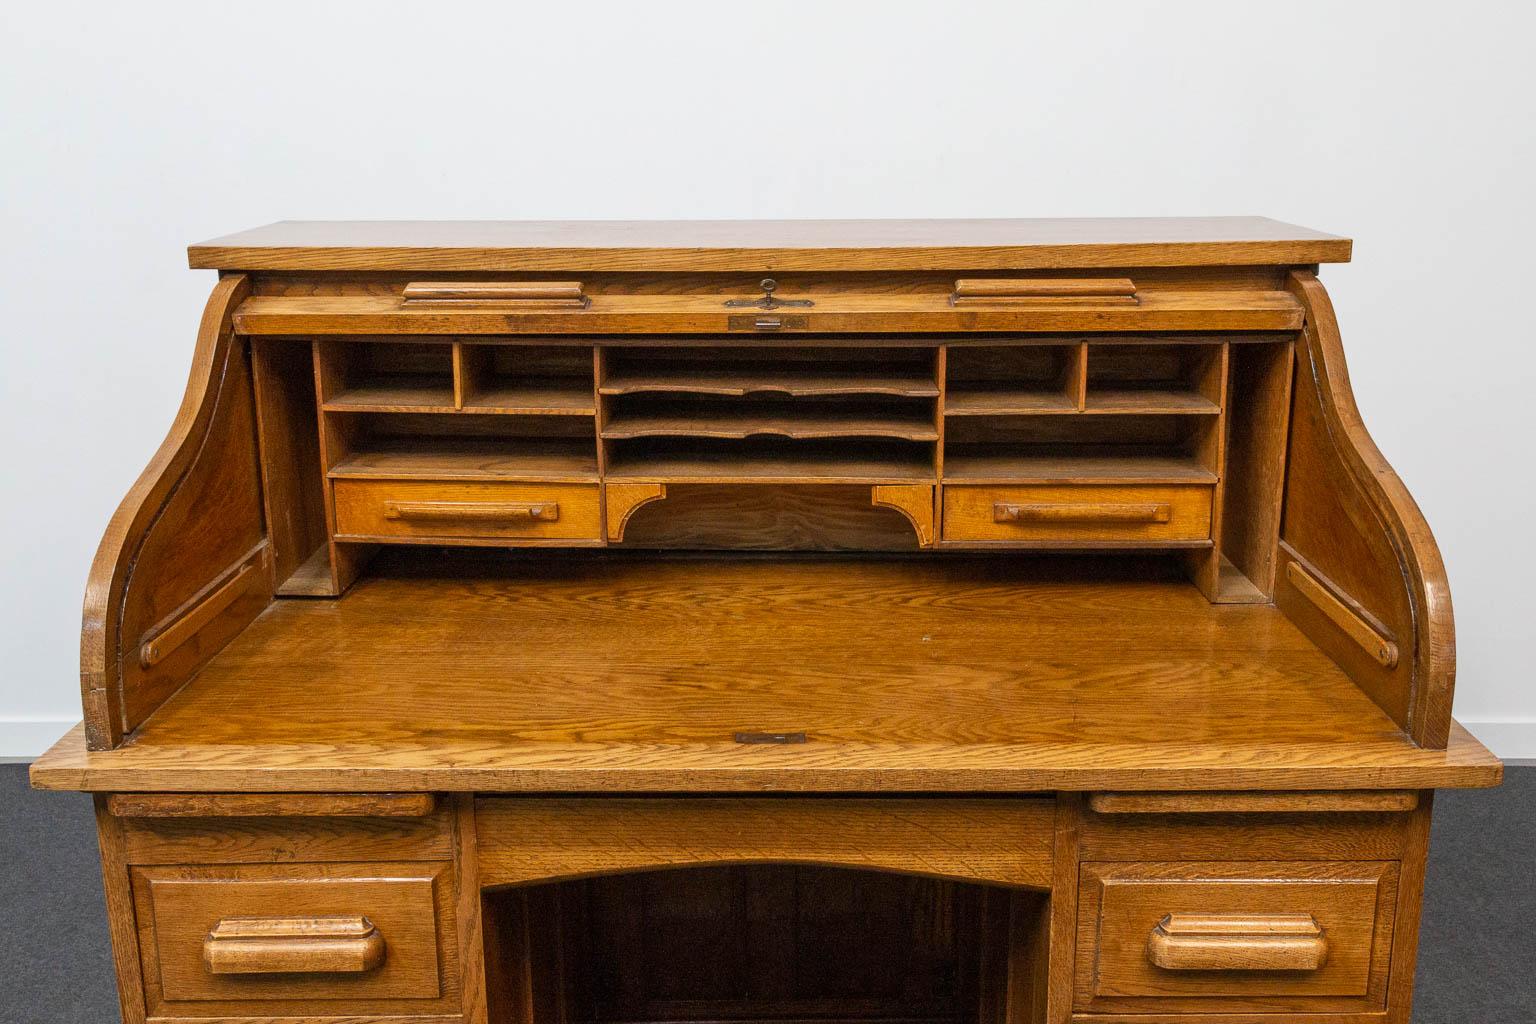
[[613, 673], [770, 245]]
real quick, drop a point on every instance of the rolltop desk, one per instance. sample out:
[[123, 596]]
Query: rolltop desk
[[951, 622]]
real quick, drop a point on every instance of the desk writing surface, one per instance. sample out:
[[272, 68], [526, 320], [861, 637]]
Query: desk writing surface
[[632, 672]]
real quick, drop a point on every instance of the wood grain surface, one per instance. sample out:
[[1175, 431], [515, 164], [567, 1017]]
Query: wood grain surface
[[410, 904], [765, 245], [966, 674], [1350, 519], [1121, 907], [192, 517], [271, 805], [645, 315], [1004, 841]]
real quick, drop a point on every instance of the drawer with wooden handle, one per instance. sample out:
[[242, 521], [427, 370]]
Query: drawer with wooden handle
[[442, 509], [253, 940], [1223, 937], [1071, 513]]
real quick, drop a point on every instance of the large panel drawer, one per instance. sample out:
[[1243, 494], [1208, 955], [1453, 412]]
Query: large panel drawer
[[1078, 512], [444, 509], [296, 939], [1228, 936]]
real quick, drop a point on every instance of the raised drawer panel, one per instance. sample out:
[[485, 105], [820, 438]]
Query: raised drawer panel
[[426, 509], [1078, 512], [1227, 936], [296, 939]]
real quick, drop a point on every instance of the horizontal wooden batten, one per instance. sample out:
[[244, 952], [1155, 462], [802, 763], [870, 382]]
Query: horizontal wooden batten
[[1344, 613], [182, 629], [496, 293], [271, 805], [1214, 310], [1390, 800], [1044, 291]]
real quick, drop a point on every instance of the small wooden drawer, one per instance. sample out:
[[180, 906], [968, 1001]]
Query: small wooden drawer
[[1224, 937], [1043, 514], [282, 940], [442, 509]]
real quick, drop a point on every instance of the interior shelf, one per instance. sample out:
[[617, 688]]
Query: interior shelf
[[427, 395], [1005, 401], [800, 382], [764, 461], [1043, 464], [1002, 401], [1150, 402], [401, 393], [534, 399], [551, 459], [720, 420]]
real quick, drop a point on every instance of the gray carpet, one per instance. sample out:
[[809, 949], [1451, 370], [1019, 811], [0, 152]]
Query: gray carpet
[[1477, 957]]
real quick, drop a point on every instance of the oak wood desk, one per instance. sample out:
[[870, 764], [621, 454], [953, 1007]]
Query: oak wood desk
[[989, 622]]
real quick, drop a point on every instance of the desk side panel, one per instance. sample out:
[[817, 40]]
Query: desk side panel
[[1359, 570], [184, 564]]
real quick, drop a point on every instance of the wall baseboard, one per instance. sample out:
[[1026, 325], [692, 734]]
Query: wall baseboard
[[22, 739], [1512, 739]]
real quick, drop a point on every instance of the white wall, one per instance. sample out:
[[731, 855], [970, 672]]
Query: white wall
[[131, 130]]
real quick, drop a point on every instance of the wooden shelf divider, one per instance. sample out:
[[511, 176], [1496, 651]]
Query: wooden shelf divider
[[545, 459], [748, 422], [794, 382], [777, 463], [1087, 464]]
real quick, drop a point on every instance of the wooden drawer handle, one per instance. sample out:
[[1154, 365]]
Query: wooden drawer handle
[[1238, 942], [1044, 291], [1088, 512], [474, 511], [293, 945], [556, 294]]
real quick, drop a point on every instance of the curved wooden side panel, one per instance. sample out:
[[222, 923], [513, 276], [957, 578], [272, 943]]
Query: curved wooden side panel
[[183, 566], [1360, 572]]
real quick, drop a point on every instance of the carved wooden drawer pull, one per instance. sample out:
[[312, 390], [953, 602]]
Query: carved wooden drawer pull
[[1238, 942], [517, 294], [1116, 291], [474, 511], [293, 945], [1090, 512]]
